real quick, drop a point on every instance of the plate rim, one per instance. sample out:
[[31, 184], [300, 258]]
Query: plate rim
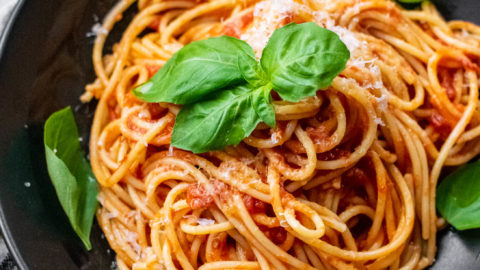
[[7, 236]]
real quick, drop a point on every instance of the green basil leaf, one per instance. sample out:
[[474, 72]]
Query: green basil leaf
[[262, 103], [70, 172], [409, 4], [300, 59], [198, 69], [458, 197], [251, 70], [213, 124]]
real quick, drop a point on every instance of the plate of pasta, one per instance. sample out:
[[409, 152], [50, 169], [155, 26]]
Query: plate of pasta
[[241, 134]]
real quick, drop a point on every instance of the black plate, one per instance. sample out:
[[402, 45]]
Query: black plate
[[45, 64]]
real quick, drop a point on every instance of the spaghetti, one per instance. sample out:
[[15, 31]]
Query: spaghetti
[[345, 181]]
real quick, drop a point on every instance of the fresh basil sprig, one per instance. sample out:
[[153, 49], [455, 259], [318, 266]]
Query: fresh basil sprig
[[458, 197], [226, 91], [70, 172]]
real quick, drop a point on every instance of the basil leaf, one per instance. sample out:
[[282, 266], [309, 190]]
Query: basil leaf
[[213, 124], [196, 70], [70, 172], [251, 70], [262, 103], [458, 197], [299, 59], [410, 4]]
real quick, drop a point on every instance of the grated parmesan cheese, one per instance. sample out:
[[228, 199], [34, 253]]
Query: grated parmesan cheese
[[347, 37], [131, 238], [274, 137], [161, 221], [97, 29], [247, 161], [375, 70], [205, 221], [100, 199], [148, 253], [361, 63], [227, 172], [132, 213], [268, 15], [110, 215], [382, 102], [379, 121]]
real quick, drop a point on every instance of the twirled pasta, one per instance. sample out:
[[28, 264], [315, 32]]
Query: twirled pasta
[[347, 178]]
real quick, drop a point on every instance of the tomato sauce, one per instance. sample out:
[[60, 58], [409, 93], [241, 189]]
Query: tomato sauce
[[277, 235], [130, 99], [165, 136], [113, 113], [152, 70], [333, 154], [155, 23], [253, 205], [446, 81], [318, 134], [440, 124], [198, 197], [234, 27]]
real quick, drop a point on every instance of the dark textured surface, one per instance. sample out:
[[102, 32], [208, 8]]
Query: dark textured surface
[[45, 65]]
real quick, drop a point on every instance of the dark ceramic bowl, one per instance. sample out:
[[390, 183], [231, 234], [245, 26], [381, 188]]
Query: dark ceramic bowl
[[45, 63]]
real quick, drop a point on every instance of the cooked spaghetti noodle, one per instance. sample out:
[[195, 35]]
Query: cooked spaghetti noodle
[[345, 181]]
